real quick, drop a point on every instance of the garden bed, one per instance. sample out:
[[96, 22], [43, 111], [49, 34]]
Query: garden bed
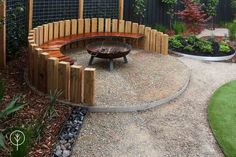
[[35, 105], [202, 49]]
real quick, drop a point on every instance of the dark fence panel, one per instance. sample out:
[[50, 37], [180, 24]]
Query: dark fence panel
[[101, 8], [156, 12]]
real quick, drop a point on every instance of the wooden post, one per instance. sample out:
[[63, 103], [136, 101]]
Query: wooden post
[[55, 30], [108, 25], [76, 84], [36, 54], [89, 86], [87, 26], [42, 78], [30, 14], [50, 31], [158, 42], [3, 35], [81, 9], [164, 44], [67, 28], [101, 25], [40, 35], [94, 25], [153, 40], [128, 27], [64, 79], [121, 26], [61, 28], [115, 25], [147, 39], [80, 26], [141, 30], [52, 74], [121, 9], [73, 27], [45, 33], [31, 61]]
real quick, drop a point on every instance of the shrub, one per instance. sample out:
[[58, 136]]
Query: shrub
[[224, 47], [189, 48], [175, 43], [193, 15], [232, 30], [160, 28], [179, 27], [204, 46], [139, 9]]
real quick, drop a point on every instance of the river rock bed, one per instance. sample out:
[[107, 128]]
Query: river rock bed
[[69, 133]]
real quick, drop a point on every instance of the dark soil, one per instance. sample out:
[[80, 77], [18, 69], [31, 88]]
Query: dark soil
[[13, 76], [215, 53]]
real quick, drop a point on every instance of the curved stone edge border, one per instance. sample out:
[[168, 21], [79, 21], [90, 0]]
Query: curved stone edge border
[[116, 109], [202, 58]]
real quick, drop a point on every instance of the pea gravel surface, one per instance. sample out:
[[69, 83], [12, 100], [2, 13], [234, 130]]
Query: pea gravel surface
[[177, 129]]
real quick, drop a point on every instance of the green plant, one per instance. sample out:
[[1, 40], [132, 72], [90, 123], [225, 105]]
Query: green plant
[[189, 48], [178, 27], [204, 46], [232, 30], [160, 27], [175, 43], [139, 9], [17, 33], [192, 39], [224, 47], [11, 107]]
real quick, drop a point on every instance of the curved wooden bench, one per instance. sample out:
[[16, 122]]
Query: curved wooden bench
[[53, 47], [49, 69]]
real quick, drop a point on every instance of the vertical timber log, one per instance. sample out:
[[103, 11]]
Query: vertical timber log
[[42, 75], [147, 39], [81, 9], [52, 75], [76, 84], [121, 9], [89, 86], [30, 14], [64, 79], [158, 42], [164, 44]]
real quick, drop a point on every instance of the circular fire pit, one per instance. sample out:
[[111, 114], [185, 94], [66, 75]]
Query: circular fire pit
[[108, 50]]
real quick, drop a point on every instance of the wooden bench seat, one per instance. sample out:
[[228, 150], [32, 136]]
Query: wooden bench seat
[[53, 47]]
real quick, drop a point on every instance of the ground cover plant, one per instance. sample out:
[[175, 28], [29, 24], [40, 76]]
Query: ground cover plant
[[202, 47], [41, 140], [221, 115]]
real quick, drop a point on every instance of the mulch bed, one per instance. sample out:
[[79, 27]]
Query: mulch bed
[[13, 76]]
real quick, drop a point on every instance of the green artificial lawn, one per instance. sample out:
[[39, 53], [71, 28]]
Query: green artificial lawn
[[222, 117]]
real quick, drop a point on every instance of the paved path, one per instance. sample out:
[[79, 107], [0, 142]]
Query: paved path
[[217, 32], [177, 129]]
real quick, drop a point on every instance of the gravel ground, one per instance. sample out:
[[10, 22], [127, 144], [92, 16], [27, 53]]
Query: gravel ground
[[177, 129], [148, 77]]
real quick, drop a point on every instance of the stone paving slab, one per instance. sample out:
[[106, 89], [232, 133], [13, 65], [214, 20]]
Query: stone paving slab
[[177, 129], [221, 32]]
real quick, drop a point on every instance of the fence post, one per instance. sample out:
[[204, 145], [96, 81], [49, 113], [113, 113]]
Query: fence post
[[2, 34], [89, 86], [81, 9], [30, 14], [76, 84], [121, 9]]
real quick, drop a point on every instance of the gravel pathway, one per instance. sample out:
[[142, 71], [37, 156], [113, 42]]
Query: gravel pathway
[[177, 129]]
